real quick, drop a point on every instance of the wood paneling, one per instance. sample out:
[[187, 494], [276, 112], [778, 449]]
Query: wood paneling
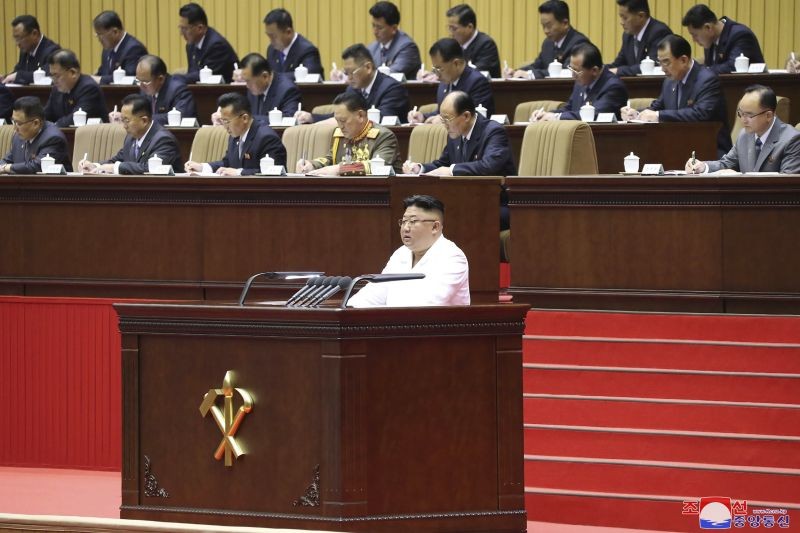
[[334, 24]]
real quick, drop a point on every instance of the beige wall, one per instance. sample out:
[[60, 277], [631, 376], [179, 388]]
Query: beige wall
[[334, 24]]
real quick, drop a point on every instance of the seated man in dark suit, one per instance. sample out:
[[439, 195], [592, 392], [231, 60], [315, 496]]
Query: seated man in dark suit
[[381, 91], [120, 49], [765, 143], [723, 39], [479, 48], [72, 91], [288, 49], [641, 37], [33, 139], [392, 46], [164, 91], [560, 39], [691, 92], [34, 50], [204, 46], [447, 60], [594, 84], [268, 90], [6, 103], [250, 140], [145, 139]]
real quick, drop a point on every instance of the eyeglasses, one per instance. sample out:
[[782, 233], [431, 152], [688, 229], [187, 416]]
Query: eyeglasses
[[574, 71], [446, 119], [353, 73], [436, 70], [20, 124], [143, 83], [225, 122], [749, 116], [414, 221]]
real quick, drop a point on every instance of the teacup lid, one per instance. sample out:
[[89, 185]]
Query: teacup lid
[[154, 157], [631, 156]]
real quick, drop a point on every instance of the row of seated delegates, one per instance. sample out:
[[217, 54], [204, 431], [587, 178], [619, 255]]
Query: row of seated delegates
[[71, 91], [765, 144], [288, 49], [120, 49], [355, 142], [641, 37], [251, 138], [723, 39], [35, 50], [145, 138], [594, 84], [204, 45], [690, 92], [476, 146], [33, 139], [427, 251], [392, 47], [448, 62], [379, 90]]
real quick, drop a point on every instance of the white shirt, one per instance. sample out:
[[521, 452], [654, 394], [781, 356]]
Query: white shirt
[[446, 279]]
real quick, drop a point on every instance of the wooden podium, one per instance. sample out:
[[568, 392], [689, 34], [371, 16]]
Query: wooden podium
[[362, 419]]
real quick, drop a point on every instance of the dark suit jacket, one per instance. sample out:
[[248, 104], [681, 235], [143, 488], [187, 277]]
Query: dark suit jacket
[[85, 95], [50, 141], [174, 93], [549, 52], [261, 140], [127, 56], [473, 83], [488, 152], [735, 39], [607, 95], [627, 61], [701, 100], [302, 52], [780, 153], [217, 53], [402, 56], [484, 55], [282, 93], [27, 64], [6, 103], [158, 141], [387, 94]]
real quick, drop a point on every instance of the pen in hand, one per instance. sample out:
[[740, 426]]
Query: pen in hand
[[694, 159]]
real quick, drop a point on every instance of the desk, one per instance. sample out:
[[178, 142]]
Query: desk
[[657, 244]]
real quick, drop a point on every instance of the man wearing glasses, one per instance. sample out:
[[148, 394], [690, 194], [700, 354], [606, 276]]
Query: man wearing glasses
[[33, 139], [204, 45], [145, 139], [72, 91], [765, 143], [249, 141], [594, 85], [427, 251], [120, 49], [34, 50], [449, 65]]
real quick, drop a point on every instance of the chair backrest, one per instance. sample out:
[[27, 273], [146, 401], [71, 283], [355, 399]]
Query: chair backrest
[[782, 111], [209, 144], [324, 109], [426, 142], [99, 141], [428, 108], [641, 103], [313, 140], [6, 133], [524, 109], [558, 148]]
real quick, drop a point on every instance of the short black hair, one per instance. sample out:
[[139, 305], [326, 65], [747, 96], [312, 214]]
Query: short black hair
[[353, 100], [766, 95], [448, 48], [194, 14], [238, 101], [31, 106], [66, 59], [29, 23], [155, 64], [107, 20], [558, 8], [698, 16], [257, 64], [426, 202], [280, 17], [590, 53], [386, 11], [466, 15], [678, 46], [462, 102], [359, 53], [140, 104], [635, 6]]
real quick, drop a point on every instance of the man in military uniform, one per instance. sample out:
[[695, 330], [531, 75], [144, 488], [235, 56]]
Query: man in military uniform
[[354, 143]]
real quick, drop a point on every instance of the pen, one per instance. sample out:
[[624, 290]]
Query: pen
[[694, 159], [334, 65], [505, 64], [235, 66], [190, 156], [629, 103], [794, 58], [415, 108]]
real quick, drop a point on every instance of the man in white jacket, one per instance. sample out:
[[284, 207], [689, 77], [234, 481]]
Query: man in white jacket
[[425, 250]]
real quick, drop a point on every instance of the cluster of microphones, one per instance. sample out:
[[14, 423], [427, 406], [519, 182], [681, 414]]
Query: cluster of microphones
[[320, 288]]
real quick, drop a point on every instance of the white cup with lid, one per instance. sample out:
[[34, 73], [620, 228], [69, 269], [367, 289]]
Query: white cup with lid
[[374, 114], [153, 164], [300, 73], [174, 117], [118, 75], [47, 162], [554, 69], [742, 63], [377, 164], [587, 112], [39, 76], [79, 117], [480, 109], [631, 163], [275, 117], [647, 65], [383, 69], [266, 163], [205, 74]]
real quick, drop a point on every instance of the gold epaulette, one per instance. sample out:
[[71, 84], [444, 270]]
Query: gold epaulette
[[338, 132], [373, 133]]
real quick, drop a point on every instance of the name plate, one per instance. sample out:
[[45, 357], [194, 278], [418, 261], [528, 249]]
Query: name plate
[[757, 68], [93, 121], [163, 170], [274, 170], [189, 122], [399, 76], [214, 79], [311, 78], [606, 117], [54, 169], [385, 170], [390, 120], [485, 74], [653, 169], [500, 119], [288, 121], [125, 80]]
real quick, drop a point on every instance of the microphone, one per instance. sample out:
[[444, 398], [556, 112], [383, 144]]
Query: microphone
[[276, 275], [310, 285], [320, 287], [378, 278], [343, 283]]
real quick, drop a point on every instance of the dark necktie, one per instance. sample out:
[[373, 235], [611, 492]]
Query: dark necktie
[[112, 56], [464, 149], [136, 151], [261, 102], [758, 147], [384, 54], [32, 61], [678, 95], [239, 144], [27, 147], [637, 44]]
